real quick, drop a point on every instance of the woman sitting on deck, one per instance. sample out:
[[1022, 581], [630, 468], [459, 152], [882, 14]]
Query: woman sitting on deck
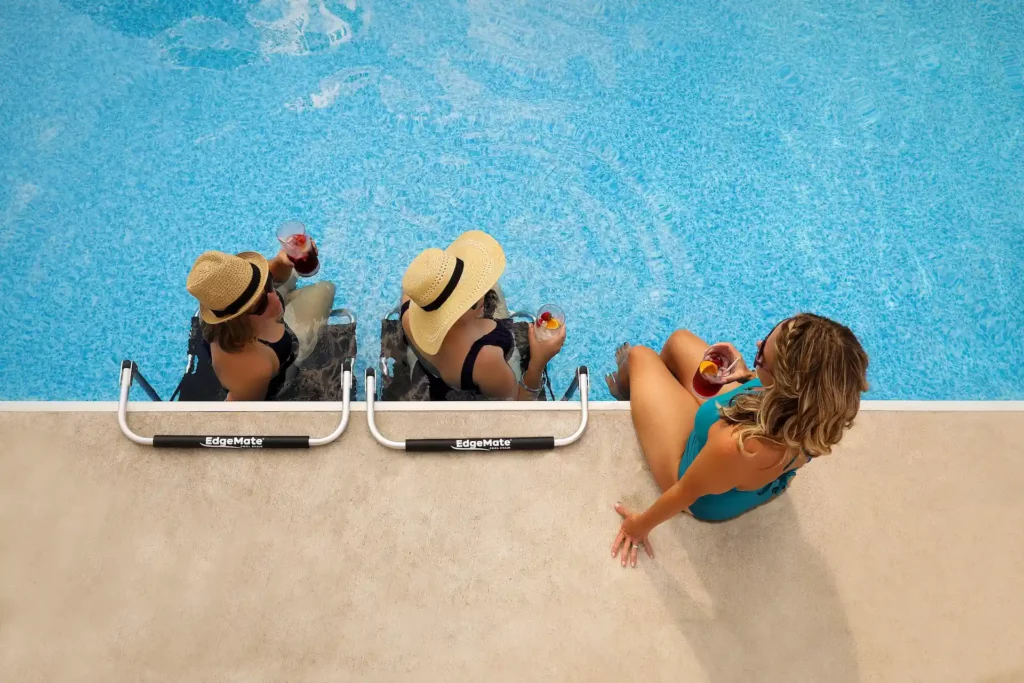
[[739, 449], [444, 323], [254, 341]]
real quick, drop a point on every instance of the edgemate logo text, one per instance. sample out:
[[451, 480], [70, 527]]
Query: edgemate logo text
[[482, 445], [233, 442]]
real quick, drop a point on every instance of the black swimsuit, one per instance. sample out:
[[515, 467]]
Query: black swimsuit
[[284, 349], [501, 336]]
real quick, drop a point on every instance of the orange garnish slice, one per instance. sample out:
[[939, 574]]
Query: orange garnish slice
[[708, 367], [552, 324]]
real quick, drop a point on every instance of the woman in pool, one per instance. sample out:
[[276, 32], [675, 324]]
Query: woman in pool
[[443, 318], [739, 449], [254, 341]]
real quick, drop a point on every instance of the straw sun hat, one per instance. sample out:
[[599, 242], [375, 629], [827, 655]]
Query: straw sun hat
[[227, 286], [445, 284]]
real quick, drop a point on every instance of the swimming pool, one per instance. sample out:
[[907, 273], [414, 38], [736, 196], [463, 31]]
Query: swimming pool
[[647, 166]]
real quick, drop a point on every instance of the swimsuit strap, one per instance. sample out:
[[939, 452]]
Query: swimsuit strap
[[499, 337], [284, 349], [790, 463]]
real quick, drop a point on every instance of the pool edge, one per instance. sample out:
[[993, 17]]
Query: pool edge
[[453, 406]]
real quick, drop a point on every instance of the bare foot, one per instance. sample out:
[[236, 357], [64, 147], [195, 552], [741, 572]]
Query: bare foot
[[618, 381]]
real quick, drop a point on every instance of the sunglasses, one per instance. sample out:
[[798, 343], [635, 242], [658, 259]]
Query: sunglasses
[[261, 306], [759, 358]]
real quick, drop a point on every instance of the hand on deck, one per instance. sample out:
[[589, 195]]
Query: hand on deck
[[631, 536]]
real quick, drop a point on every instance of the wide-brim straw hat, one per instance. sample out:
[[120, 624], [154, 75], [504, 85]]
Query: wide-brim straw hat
[[227, 286], [445, 284]]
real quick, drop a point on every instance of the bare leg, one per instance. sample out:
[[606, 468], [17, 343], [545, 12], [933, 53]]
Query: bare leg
[[682, 354], [307, 311], [662, 409]]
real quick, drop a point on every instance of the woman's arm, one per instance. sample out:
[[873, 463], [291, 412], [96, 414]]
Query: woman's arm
[[495, 378], [280, 267], [717, 469], [533, 378], [541, 353]]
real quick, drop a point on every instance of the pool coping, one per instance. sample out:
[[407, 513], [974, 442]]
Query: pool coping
[[453, 406]]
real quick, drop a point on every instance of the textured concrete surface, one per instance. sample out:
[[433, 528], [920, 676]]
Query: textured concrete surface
[[898, 559]]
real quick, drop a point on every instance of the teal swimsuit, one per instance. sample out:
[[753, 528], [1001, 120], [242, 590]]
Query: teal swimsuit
[[722, 506]]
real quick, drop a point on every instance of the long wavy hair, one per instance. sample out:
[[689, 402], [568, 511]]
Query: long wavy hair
[[819, 373]]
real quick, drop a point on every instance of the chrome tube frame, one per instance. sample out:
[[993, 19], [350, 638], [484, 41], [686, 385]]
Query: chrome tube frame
[[464, 444], [129, 371]]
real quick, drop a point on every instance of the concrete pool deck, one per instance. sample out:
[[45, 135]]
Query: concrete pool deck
[[899, 558]]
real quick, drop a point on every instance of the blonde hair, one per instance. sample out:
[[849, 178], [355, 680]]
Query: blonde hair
[[231, 335], [819, 372]]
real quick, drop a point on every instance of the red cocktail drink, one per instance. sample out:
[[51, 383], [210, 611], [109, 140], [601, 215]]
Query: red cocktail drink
[[710, 376], [302, 253], [300, 247]]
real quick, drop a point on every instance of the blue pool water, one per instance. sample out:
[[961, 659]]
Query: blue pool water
[[647, 165]]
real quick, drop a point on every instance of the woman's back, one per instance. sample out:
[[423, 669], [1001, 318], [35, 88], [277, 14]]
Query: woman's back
[[260, 365], [443, 316], [469, 342], [764, 469]]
